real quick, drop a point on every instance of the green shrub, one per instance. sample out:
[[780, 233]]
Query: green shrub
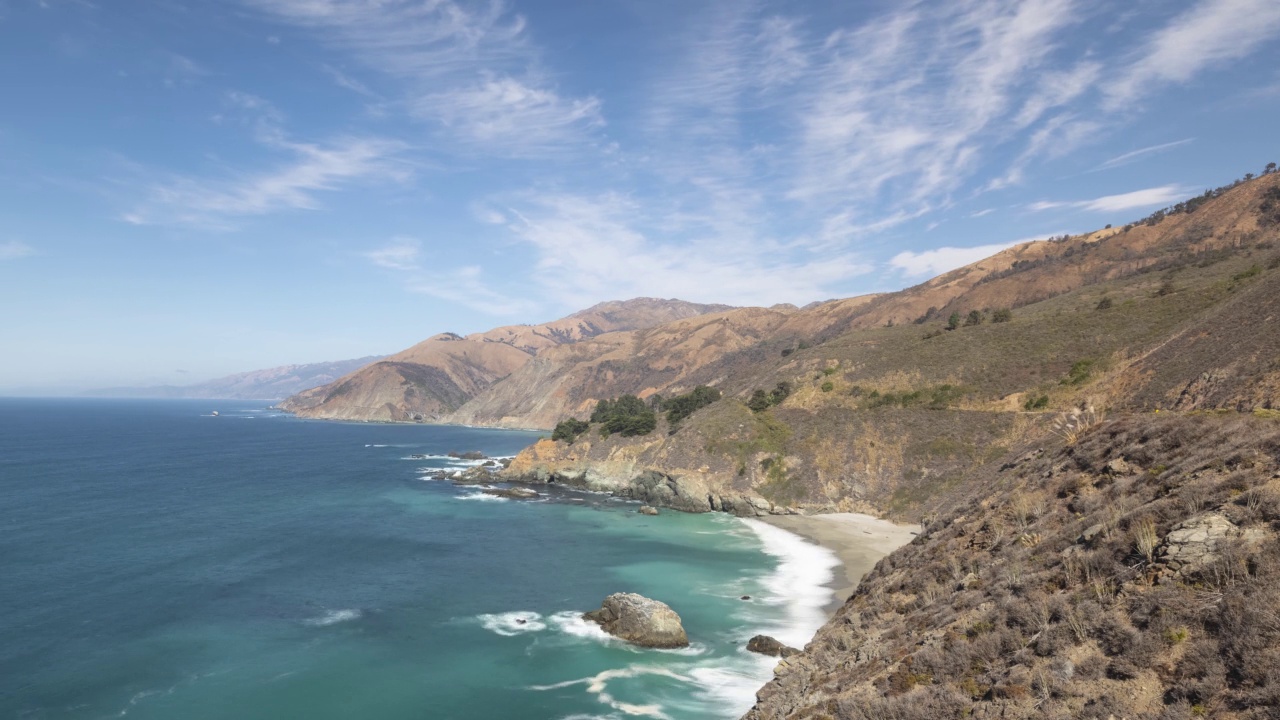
[[1079, 373], [1036, 403], [1002, 315], [569, 430], [1254, 270], [828, 386], [1105, 304], [829, 371], [953, 322], [975, 318]]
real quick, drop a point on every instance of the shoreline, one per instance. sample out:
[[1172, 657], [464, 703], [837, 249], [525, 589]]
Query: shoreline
[[858, 541]]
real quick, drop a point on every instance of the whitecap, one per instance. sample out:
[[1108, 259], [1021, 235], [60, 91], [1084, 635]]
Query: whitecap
[[598, 685], [334, 617], [800, 582], [482, 496], [509, 624]]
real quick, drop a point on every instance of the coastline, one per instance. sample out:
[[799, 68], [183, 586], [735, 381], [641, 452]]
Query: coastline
[[859, 541]]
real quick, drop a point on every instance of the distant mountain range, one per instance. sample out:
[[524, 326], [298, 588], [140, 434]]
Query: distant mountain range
[[274, 383]]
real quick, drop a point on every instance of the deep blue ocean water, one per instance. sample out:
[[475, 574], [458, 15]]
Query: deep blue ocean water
[[159, 562]]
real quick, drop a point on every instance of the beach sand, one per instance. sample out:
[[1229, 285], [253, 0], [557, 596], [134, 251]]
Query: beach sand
[[858, 540]]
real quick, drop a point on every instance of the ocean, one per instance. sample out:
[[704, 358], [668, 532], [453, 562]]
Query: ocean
[[157, 561]]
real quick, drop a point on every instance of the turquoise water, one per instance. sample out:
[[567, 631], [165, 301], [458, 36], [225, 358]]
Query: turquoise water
[[159, 562]]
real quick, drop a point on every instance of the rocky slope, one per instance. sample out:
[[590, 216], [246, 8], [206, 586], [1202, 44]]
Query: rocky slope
[[1118, 561], [432, 379], [269, 384]]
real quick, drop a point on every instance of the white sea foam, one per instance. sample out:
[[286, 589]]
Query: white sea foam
[[482, 496], [509, 624], [333, 617], [598, 685], [800, 582]]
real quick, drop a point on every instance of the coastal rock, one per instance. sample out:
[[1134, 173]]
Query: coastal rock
[[640, 620], [517, 493], [766, 645], [647, 510], [1198, 542]]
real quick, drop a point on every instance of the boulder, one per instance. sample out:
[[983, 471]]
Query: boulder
[[1198, 542], [1118, 466], [766, 645], [647, 510], [640, 621]]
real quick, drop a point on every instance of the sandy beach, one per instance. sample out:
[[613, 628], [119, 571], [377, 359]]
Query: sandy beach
[[858, 540]]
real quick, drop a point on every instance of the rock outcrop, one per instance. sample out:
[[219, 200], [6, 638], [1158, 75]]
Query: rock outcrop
[[766, 645], [641, 621]]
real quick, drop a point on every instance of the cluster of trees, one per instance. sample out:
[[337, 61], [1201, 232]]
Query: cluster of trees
[[935, 398], [1191, 205], [629, 416], [569, 430], [1270, 206], [761, 400], [977, 317], [626, 415], [682, 406]]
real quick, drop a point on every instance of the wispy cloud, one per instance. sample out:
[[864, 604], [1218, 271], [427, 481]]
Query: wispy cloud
[[943, 259], [1207, 35], [292, 185], [1148, 197], [1140, 153], [466, 285], [603, 245], [15, 250], [469, 67]]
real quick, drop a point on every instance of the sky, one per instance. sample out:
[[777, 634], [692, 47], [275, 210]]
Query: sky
[[190, 189]]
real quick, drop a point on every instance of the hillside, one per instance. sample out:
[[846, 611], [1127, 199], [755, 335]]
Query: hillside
[[270, 384], [1092, 447], [432, 379]]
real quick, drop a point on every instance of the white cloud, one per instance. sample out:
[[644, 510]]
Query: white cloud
[[593, 248], [401, 254], [14, 250], [464, 286], [1149, 197], [1134, 155], [467, 66], [1204, 37], [293, 185], [940, 260], [503, 111]]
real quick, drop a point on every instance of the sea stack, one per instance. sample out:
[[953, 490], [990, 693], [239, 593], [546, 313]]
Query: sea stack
[[640, 621]]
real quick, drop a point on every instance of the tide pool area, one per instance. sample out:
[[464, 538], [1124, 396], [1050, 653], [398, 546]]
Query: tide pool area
[[163, 562]]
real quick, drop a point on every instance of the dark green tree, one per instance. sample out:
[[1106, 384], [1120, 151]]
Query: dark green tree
[[569, 430], [974, 318], [953, 322], [682, 406]]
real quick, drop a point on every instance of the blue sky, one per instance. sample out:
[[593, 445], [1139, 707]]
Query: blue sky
[[197, 188]]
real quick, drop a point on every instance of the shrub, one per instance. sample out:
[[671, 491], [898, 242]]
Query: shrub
[[569, 430], [759, 401], [1079, 373], [1002, 315], [953, 322], [1105, 304], [974, 318], [1036, 403], [1254, 270], [828, 386]]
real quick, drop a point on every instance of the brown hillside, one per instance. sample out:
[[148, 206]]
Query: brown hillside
[[433, 378]]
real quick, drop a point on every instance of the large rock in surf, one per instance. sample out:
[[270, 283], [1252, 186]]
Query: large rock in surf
[[640, 621], [766, 645]]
